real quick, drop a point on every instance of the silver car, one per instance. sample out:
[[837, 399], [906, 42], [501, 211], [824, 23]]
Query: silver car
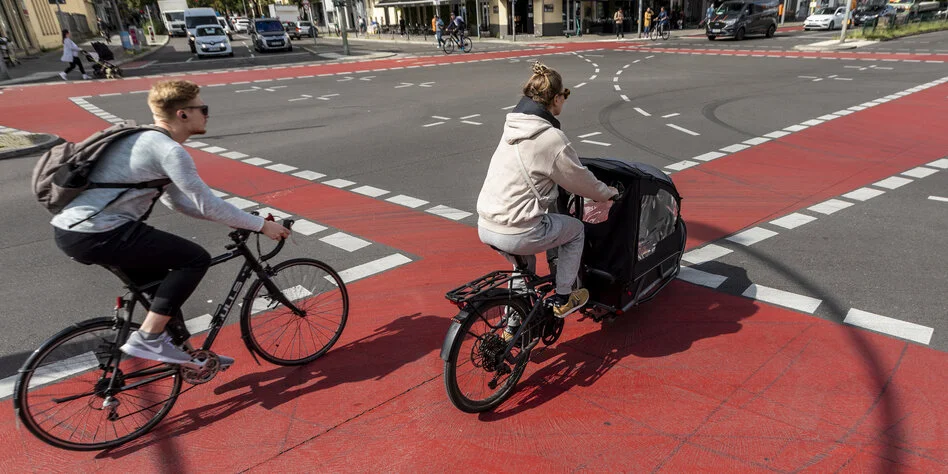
[[268, 34]]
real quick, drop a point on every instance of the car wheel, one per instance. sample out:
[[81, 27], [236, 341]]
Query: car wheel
[[711, 37], [289, 48], [740, 34], [832, 26], [771, 31]]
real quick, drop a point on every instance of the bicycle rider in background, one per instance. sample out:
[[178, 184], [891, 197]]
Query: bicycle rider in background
[[456, 28], [105, 226], [662, 19]]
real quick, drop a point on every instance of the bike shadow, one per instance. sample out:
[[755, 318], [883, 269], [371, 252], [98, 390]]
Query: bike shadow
[[670, 324], [372, 357]]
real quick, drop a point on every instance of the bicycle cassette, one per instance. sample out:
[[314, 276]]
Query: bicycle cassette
[[212, 365]]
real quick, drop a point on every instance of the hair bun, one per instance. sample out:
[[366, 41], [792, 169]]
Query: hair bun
[[540, 69]]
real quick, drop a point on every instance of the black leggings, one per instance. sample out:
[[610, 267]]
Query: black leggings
[[75, 62], [146, 255]]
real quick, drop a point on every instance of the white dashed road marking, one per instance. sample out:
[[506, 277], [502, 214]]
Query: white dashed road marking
[[699, 277], [890, 326], [682, 129], [766, 294], [345, 241], [705, 254], [371, 268]]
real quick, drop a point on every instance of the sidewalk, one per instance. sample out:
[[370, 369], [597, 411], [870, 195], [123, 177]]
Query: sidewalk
[[46, 66], [527, 39]]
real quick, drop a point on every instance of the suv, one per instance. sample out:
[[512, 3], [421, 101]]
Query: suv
[[268, 34], [737, 18]]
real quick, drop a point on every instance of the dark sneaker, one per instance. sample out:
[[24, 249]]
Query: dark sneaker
[[577, 299], [161, 349]]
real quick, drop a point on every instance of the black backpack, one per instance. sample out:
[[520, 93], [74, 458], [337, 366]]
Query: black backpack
[[62, 173]]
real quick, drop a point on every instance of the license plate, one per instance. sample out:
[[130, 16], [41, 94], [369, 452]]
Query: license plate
[[716, 30]]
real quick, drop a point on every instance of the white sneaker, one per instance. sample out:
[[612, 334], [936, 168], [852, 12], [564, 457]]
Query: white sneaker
[[63, 75], [86, 76], [159, 350]]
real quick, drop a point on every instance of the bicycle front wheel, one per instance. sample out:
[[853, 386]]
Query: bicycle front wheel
[[468, 45], [653, 35], [473, 377], [284, 337], [449, 46], [63, 393]]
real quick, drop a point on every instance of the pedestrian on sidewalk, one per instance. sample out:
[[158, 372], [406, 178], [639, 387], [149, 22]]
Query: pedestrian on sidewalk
[[578, 18], [619, 18], [437, 25], [104, 30], [71, 55], [647, 22]]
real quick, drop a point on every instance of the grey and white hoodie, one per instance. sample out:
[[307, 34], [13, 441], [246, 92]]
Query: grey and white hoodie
[[506, 204], [144, 157]]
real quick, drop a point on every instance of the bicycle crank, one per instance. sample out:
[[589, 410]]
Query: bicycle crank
[[212, 365]]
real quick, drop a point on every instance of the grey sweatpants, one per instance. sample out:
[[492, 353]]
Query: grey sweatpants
[[555, 231]]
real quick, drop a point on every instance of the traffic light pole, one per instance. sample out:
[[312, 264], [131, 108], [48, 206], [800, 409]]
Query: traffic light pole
[[342, 8]]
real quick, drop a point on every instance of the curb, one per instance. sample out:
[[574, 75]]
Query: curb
[[49, 142], [367, 57], [145, 55]]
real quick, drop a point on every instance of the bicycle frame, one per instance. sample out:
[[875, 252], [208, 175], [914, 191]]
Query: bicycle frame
[[251, 265]]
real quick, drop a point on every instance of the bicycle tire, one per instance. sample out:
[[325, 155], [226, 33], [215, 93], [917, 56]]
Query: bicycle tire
[[451, 383], [666, 33], [449, 46], [653, 35], [34, 366], [254, 330], [468, 45]]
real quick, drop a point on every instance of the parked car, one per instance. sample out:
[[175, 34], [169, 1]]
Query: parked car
[[241, 25], [873, 13], [211, 40], [298, 29], [825, 19], [268, 34], [737, 18], [226, 27]]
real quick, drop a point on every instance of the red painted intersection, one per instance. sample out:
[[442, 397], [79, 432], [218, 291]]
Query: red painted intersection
[[694, 381]]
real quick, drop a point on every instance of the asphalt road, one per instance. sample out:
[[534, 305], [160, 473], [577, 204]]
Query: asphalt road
[[429, 133]]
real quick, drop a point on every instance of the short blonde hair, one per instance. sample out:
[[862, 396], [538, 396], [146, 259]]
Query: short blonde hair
[[544, 85], [166, 97]]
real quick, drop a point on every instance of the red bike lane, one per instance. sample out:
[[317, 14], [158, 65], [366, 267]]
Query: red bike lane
[[695, 380]]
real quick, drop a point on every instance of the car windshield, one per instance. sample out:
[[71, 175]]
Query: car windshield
[[268, 26], [729, 7], [174, 16], [825, 11], [195, 21], [210, 31]]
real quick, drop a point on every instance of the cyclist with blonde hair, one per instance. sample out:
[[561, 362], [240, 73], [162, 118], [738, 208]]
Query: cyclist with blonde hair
[[105, 225], [533, 158]]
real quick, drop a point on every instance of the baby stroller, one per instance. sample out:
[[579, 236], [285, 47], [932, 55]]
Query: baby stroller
[[101, 67]]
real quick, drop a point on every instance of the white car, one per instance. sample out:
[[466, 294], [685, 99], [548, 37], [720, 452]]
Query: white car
[[211, 40], [241, 25], [825, 19]]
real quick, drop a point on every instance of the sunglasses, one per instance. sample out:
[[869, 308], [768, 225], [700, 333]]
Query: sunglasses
[[565, 93], [206, 110]]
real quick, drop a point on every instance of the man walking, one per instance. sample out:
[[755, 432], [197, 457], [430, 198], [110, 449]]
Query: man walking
[[437, 25], [619, 18], [577, 18]]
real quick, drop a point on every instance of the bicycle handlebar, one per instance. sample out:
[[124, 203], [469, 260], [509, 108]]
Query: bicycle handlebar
[[288, 223]]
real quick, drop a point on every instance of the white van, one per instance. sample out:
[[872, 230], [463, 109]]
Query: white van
[[195, 17]]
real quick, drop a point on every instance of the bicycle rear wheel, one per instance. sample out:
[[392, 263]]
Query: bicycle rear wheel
[[61, 392], [468, 45], [278, 334], [666, 33], [449, 46], [473, 379]]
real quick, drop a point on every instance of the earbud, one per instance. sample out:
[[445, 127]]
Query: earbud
[[184, 115]]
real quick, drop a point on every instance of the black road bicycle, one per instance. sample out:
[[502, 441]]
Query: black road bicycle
[[453, 42], [79, 391]]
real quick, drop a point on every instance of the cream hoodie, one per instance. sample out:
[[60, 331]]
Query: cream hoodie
[[506, 205]]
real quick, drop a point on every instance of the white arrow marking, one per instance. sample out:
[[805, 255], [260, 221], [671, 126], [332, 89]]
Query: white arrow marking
[[470, 116], [440, 117], [366, 78], [425, 84], [404, 84], [347, 78]]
